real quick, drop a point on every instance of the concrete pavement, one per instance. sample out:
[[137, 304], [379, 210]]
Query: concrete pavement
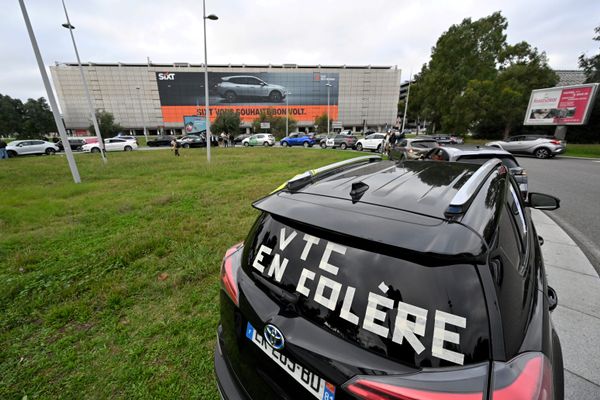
[[577, 317]]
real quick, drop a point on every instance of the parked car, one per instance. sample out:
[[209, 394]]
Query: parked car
[[368, 279], [480, 155], [373, 141], [341, 141], [112, 144], [237, 87], [412, 149], [260, 139], [536, 145], [239, 138], [192, 141], [297, 139], [30, 146], [444, 140], [160, 141], [74, 143]]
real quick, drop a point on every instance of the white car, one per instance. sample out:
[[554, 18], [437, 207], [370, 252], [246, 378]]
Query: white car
[[260, 139], [112, 144], [32, 146], [373, 141]]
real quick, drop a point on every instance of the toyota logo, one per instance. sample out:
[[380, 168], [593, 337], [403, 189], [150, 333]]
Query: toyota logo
[[274, 337]]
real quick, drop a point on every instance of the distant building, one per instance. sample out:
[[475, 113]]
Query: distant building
[[570, 77]]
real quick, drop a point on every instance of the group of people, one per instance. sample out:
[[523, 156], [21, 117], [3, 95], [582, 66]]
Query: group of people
[[226, 140], [391, 138]]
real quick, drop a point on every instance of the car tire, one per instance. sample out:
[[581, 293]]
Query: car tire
[[343, 146], [275, 96], [266, 144], [50, 151], [230, 96], [378, 150], [246, 144], [323, 145], [359, 147], [127, 148], [306, 144], [284, 144], [186, 145], [12, 153], [542, 153], [95, 150]]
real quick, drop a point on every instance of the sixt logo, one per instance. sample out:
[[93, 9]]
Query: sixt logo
[[166, 76]]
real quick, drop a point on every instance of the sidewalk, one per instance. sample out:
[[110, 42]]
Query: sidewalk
[[577, 317]]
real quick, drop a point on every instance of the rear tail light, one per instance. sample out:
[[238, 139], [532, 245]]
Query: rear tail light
[[555, 141], [229, 270], [526, 377]]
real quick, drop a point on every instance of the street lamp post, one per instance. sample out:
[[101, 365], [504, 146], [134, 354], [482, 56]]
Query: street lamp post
[[85, 87], [287, 108], [57, 119], [207, 115], [328, 86], [139, 96]]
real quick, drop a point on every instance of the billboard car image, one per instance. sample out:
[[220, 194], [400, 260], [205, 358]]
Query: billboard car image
[[303, 95]]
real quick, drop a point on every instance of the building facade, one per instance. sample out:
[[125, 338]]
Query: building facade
[[162, 96]]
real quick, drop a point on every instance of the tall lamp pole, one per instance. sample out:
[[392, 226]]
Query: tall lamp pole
[[207, 115], [139, 96], [406, 103], [57, 119], [287, 108], [328, 86], [85, 87]]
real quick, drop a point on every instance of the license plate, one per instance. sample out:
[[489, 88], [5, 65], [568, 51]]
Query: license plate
[[312, 382]]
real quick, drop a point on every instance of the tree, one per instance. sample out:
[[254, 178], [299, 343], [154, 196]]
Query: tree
[[277, 123], [37, 119], [107, 125], [226, 121], [502, 101], [321, 123], [11, 115], [591, 65]]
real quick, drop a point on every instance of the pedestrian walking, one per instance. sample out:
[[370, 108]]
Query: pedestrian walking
[[224, 139], [3, 153], [175, 146]]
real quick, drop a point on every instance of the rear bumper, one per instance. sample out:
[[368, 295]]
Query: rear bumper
[[559, 150], [227, 383]]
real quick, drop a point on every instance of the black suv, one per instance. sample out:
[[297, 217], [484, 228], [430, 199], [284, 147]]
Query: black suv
[[371, 279]]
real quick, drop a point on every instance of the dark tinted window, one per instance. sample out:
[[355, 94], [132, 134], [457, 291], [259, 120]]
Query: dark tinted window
[[509, 162], [424, 144]]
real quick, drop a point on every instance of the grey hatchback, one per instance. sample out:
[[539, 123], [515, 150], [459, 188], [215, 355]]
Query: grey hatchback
[[536, 145]]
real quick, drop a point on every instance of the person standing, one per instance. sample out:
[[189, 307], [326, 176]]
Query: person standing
[[224, 139], [3, 153], [175, 147]]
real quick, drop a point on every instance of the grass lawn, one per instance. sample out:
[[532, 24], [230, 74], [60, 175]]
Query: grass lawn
[[110, 287]]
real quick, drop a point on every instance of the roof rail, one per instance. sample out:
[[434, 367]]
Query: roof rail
[[303, 179], [462, 199]]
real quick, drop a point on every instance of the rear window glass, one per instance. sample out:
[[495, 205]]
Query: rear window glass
[[477, 159], [425, 144]]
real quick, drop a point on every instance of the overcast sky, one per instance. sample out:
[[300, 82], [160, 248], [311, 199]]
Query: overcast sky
[[377, 32]]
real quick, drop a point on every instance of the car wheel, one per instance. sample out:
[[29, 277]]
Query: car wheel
[[275, 96], [230, 96], [378, 149], [266, 144], [127, 148], [284, 144], [343, 146], [542, 153], [359, 147], [95, 150], [246, 144], [186, 145], [12, 153], [50, 151], [323, 145], [306, 144]]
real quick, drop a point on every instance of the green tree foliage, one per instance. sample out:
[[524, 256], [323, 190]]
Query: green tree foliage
[[502, 101], [277, 124], [227, 121], [321, 122], [475, 80], [32, 119], [107, 125], [591, 65]]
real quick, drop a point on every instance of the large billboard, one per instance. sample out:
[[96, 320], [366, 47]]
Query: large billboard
[[567, 105], [304, 95]]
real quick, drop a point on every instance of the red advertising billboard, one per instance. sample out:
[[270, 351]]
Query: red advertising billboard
[[566, 105]]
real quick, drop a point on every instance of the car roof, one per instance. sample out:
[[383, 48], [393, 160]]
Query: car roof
[[475, 150], [406, 203], [239, 76]]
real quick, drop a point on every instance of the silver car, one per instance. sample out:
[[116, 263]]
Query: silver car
[[536, 145], [242, 86]]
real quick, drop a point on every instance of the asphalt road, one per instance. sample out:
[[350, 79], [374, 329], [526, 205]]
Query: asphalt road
[[576, 182]]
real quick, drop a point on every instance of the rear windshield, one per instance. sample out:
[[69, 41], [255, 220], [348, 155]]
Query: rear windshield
[[509, 162], [425, 144], [392, 304]]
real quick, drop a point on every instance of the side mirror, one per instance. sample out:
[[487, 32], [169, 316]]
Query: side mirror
[[552, 298], [542, 201]]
